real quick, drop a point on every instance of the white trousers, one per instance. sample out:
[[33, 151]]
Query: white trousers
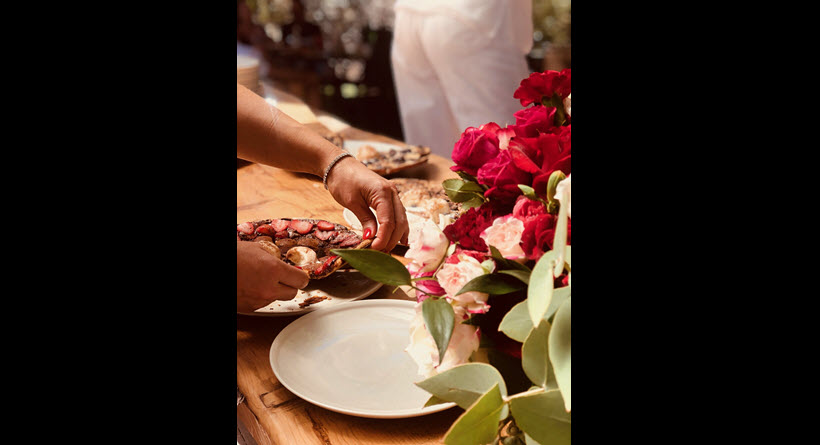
[[450, 75]]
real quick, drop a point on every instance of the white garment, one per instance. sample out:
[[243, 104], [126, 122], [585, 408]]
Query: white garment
[[456, 64]]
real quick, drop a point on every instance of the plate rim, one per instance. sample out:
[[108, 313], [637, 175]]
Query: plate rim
[[353, 305], [317, 306]]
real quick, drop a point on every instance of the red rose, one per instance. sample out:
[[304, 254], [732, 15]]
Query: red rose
[[529, 122], [555, 157], [538, 86], [538, 235], [475, 147], [503, 176], [478, 256]]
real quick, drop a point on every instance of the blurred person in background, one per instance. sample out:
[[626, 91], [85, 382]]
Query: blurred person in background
[[456, 65]]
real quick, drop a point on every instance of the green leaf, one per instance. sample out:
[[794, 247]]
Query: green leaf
[[433, 400], [461, 191], [560, 113], [558, 297], [567, 256], [560, 350], [517, 324], [535, 354], [552, 183], [559, 242], [376, 265], [464, 384], [466, 176], [543, 418], [522, 275], [479, 424], [528, 191], [493, 284], [439, 319], [504, 263], [539, 292], [476, 201]]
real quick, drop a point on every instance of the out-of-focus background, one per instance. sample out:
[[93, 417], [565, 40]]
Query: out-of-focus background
[[335, 54]]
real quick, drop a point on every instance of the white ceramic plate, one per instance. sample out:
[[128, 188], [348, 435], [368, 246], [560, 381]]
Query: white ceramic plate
[[342, 286], [351, 359]]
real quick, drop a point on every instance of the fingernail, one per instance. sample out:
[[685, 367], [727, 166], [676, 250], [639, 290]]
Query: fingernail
[[368, 233]]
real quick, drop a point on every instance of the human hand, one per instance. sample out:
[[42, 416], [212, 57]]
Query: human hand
[[262, 278], [358, 188]]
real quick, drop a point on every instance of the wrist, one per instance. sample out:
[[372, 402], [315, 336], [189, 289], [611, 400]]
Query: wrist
[[334, 165]]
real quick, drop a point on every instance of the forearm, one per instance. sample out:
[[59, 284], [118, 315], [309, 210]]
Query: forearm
[[267, 136]]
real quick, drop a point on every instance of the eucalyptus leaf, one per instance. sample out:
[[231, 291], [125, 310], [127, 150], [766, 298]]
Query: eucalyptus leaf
[[517, 324], [535, 354], [560, 350], [529, 440], [559, 242], [543, 418], [439, 319], [493, 284], [376, 265], [479, 424], [464, 384], [559, 295], [539, 292], [433, 400]]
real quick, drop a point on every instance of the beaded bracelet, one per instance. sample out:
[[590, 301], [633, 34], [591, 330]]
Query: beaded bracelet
[[332, 163]]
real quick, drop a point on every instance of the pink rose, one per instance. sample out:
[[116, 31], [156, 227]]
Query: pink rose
[[505, 235], [422, 348], [428, 245], [453, 276], [475, 147], [427, 287], [526, 209]]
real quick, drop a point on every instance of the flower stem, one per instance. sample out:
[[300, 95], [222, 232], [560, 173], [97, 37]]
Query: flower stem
[[525, 393]]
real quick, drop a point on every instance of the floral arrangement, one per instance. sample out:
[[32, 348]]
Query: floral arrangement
[[493, 326]]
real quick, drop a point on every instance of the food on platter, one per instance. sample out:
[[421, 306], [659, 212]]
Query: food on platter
[[393, 160], [426, 198], [314, 299], [304, 243], [384, 158]]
